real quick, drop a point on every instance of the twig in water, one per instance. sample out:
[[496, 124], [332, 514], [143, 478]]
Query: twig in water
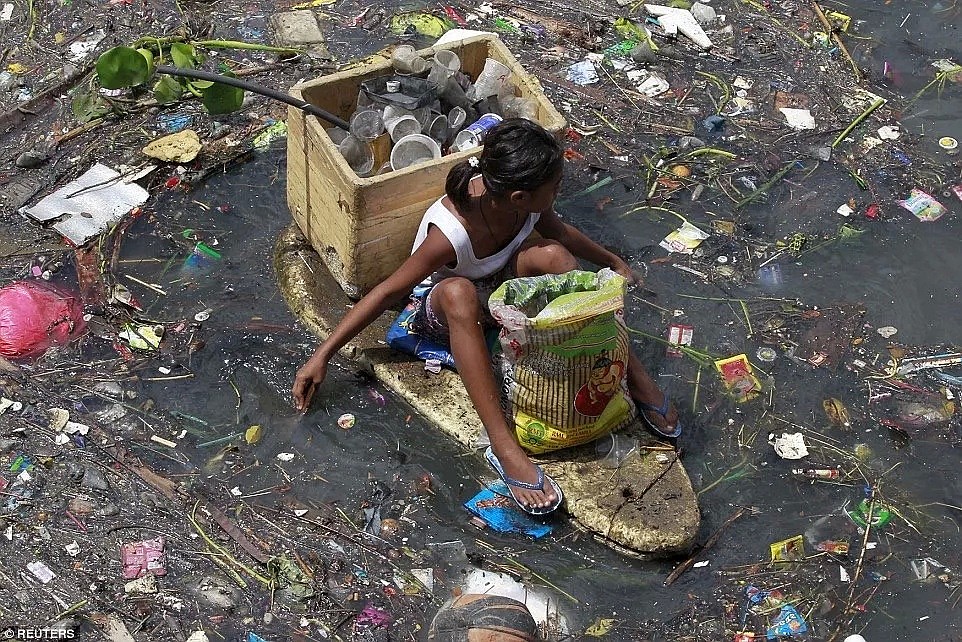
[[684, 566]]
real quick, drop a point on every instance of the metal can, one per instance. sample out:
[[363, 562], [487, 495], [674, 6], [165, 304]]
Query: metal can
[[472, 135]]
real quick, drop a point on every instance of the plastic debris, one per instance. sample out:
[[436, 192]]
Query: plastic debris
[[788, 623], [141, 558], [583, 73], [798, 119], [887, 331], [684, 239], [346, 421], [788, 550], [35, 316], [789, 445], [923, 205], [41, 571], [739, 378], [496, 507], [674, 20]]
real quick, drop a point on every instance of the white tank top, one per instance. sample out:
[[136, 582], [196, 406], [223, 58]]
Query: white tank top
[[467, 265]]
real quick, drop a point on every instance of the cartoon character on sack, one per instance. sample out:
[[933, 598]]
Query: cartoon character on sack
[[604, 381]]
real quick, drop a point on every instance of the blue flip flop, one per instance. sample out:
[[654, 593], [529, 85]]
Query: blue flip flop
[[539, 485], [663, 411]]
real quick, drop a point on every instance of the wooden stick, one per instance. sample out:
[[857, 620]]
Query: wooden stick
[[687, 564], [837, 40]]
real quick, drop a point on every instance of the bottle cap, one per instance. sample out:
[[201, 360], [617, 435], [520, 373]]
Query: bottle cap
[[948, 143]]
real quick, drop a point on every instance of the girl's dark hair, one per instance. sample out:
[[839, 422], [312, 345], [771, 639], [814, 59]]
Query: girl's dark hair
[[518, 155]]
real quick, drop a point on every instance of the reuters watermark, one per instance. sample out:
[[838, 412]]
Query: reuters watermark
[[35, 633]]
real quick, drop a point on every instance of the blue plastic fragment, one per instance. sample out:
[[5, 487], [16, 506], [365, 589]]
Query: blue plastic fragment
[[253, 637], [495, 506], [714, 123], [788, 623]]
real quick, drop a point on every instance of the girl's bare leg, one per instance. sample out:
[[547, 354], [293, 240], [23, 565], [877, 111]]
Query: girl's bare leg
[[455, 303], [643, 388]]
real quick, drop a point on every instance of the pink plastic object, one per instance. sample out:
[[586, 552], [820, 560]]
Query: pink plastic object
[[35, 316], [141, 558]]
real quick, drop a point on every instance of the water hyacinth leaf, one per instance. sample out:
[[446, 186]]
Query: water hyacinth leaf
[[223, 99], [167, 90], [836, 412], [88, 105], [122, 67], [183, 55], [149, 57]]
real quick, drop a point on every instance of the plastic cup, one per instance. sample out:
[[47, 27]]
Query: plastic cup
[[613, 449], [490, 81], [403, 126], [414, 149], [517, 107], [438, 129], [406, 60], [367, 124], [443, 66], [448, 59], [358, 155], [456, 118], [337, 135]]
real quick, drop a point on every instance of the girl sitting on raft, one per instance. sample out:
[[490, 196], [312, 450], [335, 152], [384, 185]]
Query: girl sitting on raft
[[469, 242]]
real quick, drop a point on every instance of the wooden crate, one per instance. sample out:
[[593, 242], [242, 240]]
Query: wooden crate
[[363, 228]]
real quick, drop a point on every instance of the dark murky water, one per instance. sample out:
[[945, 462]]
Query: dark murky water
[[903, 271]]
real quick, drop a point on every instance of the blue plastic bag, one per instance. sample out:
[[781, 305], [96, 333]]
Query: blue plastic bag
[[400, 337]]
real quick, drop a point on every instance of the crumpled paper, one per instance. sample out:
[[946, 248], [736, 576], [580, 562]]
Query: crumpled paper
[[789, 445]]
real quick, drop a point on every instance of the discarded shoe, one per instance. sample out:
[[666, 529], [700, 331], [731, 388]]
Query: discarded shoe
[[663, 411], [514, 483]]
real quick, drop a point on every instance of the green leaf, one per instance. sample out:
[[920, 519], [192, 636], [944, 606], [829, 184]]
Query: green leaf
[[149, 57], [200, 85], [167, 90], [183, 55], [223, 99], [122, 67], [87, 106]]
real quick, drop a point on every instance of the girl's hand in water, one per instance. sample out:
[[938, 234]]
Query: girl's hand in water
[[633, 277], [308, 378]]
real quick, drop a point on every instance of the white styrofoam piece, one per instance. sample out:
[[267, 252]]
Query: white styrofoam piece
[[91, 211], [675, 20]]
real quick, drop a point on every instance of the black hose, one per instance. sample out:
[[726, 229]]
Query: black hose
[[257, 89]]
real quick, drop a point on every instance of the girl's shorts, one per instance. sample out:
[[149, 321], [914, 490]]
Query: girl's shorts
[[425, 322]]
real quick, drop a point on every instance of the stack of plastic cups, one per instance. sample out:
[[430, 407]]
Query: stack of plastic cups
[[401, 122], [367, 124], [444, 65], [355, 151], [414, 149], [456, 118], [406, 61], [438, 129]]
